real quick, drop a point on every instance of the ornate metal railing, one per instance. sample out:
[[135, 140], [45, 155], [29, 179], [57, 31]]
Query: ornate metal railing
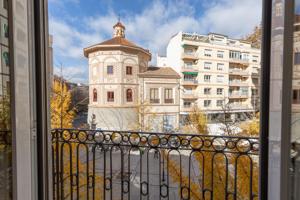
[[94, 164]]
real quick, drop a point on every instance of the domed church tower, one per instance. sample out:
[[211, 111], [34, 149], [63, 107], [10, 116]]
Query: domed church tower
[[114, 66]]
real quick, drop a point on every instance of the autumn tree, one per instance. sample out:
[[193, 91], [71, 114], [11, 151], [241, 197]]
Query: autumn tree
[[5, 112], [221, 171], [74, 154], [255, 37], [250, 128], [62, 114]]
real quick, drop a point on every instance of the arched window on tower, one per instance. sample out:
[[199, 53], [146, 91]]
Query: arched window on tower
[[95, 95], [129, 95]]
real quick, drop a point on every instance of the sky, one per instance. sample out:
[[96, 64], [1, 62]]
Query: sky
[[76, 24]]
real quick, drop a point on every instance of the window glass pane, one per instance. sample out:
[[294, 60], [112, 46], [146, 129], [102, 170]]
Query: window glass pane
[[110, 69], [295, 104], [5, 112]]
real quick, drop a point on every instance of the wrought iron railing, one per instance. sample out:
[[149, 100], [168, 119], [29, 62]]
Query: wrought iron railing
[[97, 164]]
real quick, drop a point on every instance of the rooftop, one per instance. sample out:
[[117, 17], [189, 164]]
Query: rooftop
[[117, 41], [160, 72]]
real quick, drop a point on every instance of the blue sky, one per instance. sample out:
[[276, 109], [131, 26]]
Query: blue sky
[[76, 24]]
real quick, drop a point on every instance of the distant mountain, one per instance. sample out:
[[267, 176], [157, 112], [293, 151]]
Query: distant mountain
[[255, 37]]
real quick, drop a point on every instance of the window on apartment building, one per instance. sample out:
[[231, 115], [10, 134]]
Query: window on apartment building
[[219, 91], [94, 95], [169, 95], [128, 70], [207, 65], [207, 90], [207, 78], [207, 52], [129, 95], [244, 90], [235, 54], [207, 103], [255, 59], [245, 56], [297, 58], [220, 54], [220, 103], [154, 95], [220, 66], [220, 78], [110, 96], [187, 104], [110, 69]]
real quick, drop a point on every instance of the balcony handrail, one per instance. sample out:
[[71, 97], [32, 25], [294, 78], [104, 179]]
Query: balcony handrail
[[162, 133], [90, 164]]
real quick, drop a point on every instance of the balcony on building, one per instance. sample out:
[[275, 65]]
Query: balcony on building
[[238, 95], [189, 79], [255, 73], [238, 58], [238, 83], [238, 72], [190, 96], [190, 68], [240, 106], [243, 62], [189, 82], [189, 55]]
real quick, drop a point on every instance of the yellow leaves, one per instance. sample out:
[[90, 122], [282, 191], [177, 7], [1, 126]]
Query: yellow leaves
[[4, 112], [62, 114], [76, 170], [198, 120], [177, 177], [250, 128]]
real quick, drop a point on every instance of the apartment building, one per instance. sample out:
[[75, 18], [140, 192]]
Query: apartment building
[[121, 84], [215, 70]]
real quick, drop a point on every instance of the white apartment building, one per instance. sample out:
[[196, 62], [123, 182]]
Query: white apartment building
[[215, 70], [127, 94]]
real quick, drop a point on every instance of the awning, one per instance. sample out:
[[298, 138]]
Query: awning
[[190, 73]]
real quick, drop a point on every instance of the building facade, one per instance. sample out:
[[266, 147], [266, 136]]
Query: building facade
[[115, 68], [215, 70]]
